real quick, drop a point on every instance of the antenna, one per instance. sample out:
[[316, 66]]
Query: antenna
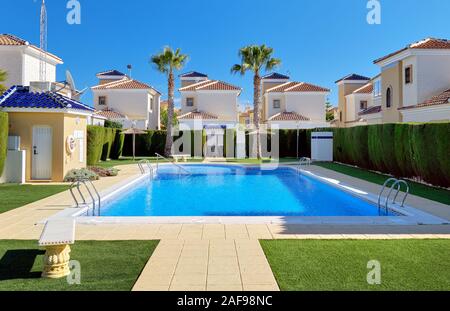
[[129, 67], [43, 43]]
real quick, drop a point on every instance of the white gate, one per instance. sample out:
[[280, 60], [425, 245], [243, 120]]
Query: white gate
[[42, 153]]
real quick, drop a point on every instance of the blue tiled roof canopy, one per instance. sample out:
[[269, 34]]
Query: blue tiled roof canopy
[[193, 74], [21, 97], [111, 73], [353, 77], [276, 76]]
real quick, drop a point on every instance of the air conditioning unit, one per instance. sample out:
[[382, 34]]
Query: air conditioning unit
[[14, 143]]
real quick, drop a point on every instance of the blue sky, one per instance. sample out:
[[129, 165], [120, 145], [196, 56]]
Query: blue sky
[[318, 41]]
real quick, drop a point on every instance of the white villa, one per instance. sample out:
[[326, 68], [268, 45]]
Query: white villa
[[127, 101], [208, 103], [413, 86], [293, 105]]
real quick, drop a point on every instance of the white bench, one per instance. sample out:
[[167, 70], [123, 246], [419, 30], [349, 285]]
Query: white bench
[[183, 157], [56, 237]]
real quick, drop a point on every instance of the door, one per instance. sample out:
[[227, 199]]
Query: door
[[42, 153]]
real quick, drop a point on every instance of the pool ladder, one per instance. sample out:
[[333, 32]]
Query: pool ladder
[[180, 168], [143, 164], [303, 162], [91, 191], [395, 186]]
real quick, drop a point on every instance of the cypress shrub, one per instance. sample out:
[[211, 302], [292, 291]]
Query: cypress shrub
[[403, 154], [117, 147], [442, 139], [108, 140], [388, 150], [360, 147], [95, 139], [375, 146], [146, 144], [339, 147], [4, 125]]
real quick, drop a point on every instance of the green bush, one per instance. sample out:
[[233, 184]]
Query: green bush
[[146, 144], [3, 139], [375, 146], [442, 140], [360, 149], [403, 153], [108, 140], [80, 174], [117, 146], [104, 171], [95, 139], [113, 124], [388, 150]]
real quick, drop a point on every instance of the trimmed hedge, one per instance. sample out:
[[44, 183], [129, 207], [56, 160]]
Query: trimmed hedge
[[402, 150], [3, 139], [103, 144], [95, 139]]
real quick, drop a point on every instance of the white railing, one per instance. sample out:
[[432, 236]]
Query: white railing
[[396, 185]]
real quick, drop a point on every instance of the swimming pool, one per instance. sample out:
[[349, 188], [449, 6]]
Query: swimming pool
[[220, 190]]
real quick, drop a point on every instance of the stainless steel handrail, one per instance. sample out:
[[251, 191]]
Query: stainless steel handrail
[[148, 164], [396, 185], [77, 184], [158, 156]]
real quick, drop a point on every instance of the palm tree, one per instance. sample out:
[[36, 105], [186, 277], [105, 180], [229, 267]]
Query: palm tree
[[3, 76], [167, 62], [255, 58]]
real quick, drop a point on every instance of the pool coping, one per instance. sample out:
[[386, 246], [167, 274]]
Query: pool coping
[[411, 216]]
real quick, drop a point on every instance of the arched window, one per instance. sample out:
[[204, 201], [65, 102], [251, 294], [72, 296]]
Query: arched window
[[389, 97]]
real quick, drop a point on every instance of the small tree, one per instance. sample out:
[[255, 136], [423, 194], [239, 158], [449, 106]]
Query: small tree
[[330, 113], [167, 62]]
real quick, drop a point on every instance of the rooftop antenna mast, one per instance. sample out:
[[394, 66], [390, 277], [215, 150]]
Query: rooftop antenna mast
[[43, 43]]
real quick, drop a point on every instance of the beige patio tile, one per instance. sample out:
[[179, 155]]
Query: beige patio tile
[[258, 279], [225, 252], [261, 288], [224, 279], [142, 287], [256, 269], [155, 278], [223, 260], [187, 288], [224, 288], [189, 279], [195, 253], [223, 268], [191, 268]]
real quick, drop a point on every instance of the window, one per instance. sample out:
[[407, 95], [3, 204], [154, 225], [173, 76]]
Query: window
[[408, 75], [363, 105], [102, 100], [189, 102], [377, 88], [276, 104], [389, 97]]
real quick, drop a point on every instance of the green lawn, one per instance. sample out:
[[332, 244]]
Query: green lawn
[[421, 190], [301, 265], [104, 265], [13, 195], [128, 160]]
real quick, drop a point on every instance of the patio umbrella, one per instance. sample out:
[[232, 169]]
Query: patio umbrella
[[133, 131]]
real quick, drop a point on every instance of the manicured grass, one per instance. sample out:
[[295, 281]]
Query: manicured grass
[[421, 190], [104, 265], [14, 196], [301, 265]]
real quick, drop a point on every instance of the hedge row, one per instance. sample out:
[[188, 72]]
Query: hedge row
[[103, 144], [3, 140], [403, 150]]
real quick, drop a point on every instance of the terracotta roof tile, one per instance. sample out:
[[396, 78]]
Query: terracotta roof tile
[[288, 116], [441, 99], [211, 85], [366, 89], [124, 84], [297, 87], [197, 115], [429, 44], [7, 39], [110, 114], [371, 110]]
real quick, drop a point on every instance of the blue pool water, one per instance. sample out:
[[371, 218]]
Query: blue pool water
[[235, 191]]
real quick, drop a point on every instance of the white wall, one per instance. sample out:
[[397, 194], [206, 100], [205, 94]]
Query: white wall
[[11, 62], [222, 104], [270, 97], [31, 70], [135, 104], [427, 114], [353, 107], [310, 105]]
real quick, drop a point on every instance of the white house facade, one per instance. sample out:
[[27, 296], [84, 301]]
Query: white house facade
[[293, 105], [21, 60], [127, 101], [208, 103]]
